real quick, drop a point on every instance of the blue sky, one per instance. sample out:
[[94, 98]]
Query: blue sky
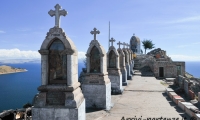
[[173, 26]]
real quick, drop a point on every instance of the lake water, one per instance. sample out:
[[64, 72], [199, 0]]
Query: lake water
[[19, 88]]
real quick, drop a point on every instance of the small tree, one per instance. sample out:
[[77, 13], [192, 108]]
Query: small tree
[[147, 44], [27, 105]]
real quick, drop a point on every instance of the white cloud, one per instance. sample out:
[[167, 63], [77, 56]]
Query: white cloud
[[1, 31], [185, 58], [81, 55], [18, 54]]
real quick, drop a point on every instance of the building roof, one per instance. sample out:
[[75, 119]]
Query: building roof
[[135, 39]]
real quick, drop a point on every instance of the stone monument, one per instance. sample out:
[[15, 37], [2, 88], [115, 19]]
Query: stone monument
[[131, 61], [122, 64], [126, 53], [60, 96], [113, 68], [96, 85]]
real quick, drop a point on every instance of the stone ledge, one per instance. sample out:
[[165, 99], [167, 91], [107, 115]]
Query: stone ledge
[[58, 87]]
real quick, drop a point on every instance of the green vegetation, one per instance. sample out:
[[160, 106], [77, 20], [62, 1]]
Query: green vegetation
[[147, 44], [27, 105]]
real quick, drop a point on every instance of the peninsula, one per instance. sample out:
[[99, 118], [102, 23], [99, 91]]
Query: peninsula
[[4, 69]]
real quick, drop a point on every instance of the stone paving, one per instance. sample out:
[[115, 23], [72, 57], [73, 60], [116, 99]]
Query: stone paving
[[144, 96]]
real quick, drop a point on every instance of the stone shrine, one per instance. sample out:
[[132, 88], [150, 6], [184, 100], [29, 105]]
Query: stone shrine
[[60, 96], [135, 44], [126, 53], [113, 68], [122, 64], [131, 61], [96, 85]]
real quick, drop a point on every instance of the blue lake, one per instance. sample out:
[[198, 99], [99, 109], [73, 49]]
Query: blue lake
[[19, 88]]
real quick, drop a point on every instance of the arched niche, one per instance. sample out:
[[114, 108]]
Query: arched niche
[[125, 57], [95, 58], [121, 59], [68, 49], [57, 62], [112, 59]]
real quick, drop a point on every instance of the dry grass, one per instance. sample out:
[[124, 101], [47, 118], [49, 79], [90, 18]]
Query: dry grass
[[7, 69]]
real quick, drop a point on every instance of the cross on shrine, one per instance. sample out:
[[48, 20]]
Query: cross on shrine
[[112, 40], [95, 32], [57, 13], [123, 44], [119, 43], [127, 45]]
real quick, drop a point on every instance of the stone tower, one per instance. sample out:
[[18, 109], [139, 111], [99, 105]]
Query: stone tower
[[60, 96], [135, 44]]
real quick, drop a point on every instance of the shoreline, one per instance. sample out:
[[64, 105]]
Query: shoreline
[[13, 72]]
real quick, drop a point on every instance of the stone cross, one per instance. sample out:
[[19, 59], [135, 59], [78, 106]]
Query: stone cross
[[95, 32], [57, 13], [123, 44], [127, 45], [112, 40], [119, 43]]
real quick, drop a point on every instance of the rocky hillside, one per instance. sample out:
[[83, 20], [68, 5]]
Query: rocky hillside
[[7, 69]]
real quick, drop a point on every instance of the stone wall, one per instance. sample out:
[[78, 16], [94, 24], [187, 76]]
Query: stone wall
[[191, 87]]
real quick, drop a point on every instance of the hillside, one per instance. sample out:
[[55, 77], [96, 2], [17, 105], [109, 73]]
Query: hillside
[[7, 69]]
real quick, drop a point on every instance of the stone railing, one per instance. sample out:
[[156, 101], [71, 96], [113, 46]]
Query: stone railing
[[190, 87]]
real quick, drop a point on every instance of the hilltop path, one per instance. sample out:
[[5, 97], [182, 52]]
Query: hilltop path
[[144, 96]]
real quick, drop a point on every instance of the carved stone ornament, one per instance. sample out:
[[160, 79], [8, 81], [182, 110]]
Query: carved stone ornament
[[43, 52], [56, 31], [87, 55], [94, 42], [111, 48]]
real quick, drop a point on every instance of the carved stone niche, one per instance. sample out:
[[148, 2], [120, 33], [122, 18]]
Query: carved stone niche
[[112, 59], [57, 63], [127, 62], [95, 60], [122, 66], [126, 55]]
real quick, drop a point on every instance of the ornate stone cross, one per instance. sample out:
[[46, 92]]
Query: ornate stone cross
[[57, 13], [95, 32], [112, 40], [119, 43]]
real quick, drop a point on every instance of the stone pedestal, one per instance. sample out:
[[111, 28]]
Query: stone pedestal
[[97, 96], [59, 113], [115, 77], [124, 76], [97, 91], [129, 76], [59, 102], [132, 65]]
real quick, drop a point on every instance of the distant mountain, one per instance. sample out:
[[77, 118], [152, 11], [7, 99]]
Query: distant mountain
[[14, 61], [4, 69]]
